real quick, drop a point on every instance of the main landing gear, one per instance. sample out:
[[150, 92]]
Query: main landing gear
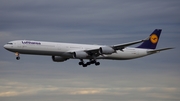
[[88, 63], [17, 56]]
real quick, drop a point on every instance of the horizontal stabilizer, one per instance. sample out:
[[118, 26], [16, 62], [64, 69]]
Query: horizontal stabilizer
[[158, 50]]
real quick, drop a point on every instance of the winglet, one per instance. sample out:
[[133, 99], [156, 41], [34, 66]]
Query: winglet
[[152, 40]]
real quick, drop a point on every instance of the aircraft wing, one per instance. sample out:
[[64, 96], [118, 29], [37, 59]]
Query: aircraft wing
[[122, 46], [95, 52], [90, 52]]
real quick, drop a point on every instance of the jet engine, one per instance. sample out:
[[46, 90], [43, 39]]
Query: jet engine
[[106, 50], [58, 58], [80, 55]]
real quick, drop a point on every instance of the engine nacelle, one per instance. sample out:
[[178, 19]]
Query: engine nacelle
[[58, 59], [106, 50], [80, 55]]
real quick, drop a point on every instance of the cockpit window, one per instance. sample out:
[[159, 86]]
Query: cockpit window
[[9, 43]]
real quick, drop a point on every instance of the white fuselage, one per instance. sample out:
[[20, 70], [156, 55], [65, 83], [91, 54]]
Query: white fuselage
[[64, 49]]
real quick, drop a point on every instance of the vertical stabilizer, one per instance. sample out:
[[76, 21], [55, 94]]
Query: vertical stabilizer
[[153, 40]]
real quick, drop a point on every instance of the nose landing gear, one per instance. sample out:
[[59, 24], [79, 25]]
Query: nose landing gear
[[17, 56]]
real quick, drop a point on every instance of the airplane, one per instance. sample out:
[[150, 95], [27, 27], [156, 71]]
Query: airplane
[[61, 52]]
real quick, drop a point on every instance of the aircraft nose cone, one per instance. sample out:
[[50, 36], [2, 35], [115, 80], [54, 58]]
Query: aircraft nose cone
[[6, 46]]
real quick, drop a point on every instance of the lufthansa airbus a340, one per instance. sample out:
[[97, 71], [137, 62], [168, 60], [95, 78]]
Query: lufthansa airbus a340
[[63, 51]]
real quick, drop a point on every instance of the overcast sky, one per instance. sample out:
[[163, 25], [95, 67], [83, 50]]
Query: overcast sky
[[38, 78]]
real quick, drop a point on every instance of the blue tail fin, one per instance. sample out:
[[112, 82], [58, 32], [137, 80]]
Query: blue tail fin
[[153, 40]]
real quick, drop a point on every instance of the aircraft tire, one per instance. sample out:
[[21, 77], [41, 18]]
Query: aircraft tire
[[88, 63], [80, 63], [84, 65], [97, 63], [17, 58]]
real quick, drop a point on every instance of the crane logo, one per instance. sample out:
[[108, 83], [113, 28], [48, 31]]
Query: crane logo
[[154, 38]]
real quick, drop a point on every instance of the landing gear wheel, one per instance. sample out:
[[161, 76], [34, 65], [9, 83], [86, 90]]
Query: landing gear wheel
[[88, 63], [17, 58], [84, 65], [93, 61], [97, 63], [80, 63]]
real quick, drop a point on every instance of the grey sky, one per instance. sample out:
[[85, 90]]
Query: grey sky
[[152, 78]]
